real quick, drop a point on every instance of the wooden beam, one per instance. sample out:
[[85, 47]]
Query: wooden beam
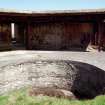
[[100, 32]]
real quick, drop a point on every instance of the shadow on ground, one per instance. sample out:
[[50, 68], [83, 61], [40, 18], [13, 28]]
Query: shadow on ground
[[89, 81]]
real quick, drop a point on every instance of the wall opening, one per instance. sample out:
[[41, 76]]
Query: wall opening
[[13, 35], [17, 38], [13, 30]]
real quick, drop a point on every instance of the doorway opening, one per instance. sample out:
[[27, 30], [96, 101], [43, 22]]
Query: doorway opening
[[17, 37]]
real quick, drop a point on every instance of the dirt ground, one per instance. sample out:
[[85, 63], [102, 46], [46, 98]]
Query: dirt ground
[[94, 58]]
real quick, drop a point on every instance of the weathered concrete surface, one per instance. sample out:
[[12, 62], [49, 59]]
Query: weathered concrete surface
[[21, 68]]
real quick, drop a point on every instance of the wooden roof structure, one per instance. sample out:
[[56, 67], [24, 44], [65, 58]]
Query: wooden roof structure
[[52, 15], [51, 12]]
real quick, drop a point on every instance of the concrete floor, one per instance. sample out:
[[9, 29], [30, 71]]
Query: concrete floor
[[95, 58]]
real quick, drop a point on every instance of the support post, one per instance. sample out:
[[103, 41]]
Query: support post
[[28, 36], [100, 39]]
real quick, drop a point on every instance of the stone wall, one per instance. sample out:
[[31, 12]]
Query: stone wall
[[84, 80]]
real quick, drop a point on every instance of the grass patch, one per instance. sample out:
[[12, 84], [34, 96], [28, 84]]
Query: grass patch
[[21, 97]]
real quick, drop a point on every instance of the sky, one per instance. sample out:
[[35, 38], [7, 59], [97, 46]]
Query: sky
[[51, 4]]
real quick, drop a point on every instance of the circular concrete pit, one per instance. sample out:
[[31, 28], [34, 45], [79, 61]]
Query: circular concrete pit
[[83, 80]]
